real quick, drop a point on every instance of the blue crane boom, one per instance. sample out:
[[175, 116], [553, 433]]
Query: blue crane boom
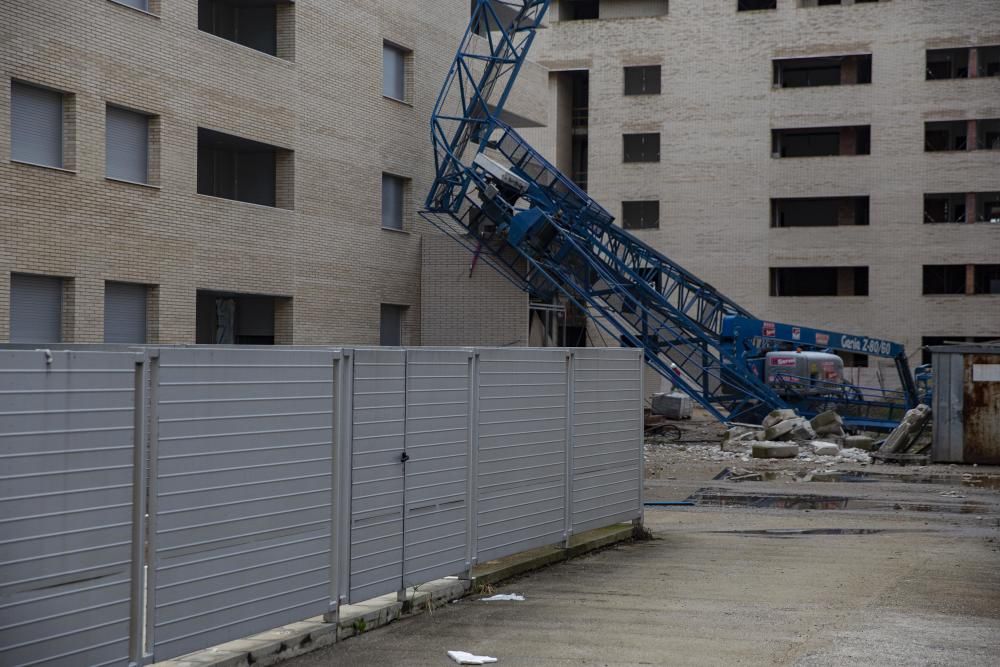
[[501, 199]]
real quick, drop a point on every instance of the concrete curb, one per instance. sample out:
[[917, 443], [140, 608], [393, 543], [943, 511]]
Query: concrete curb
[[289, 641]]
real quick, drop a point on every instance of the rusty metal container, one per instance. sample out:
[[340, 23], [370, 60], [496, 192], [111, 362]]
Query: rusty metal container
[[966, 403]]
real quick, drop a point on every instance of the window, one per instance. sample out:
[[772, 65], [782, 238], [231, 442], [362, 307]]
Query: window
[[822, 141], [819, 212], [825, 71], [126, 141], [36, 304], [394, 72], [753, 5], [391, 325], [125, 313], [238, 319], [393, 192], [642, 147], [579, 10], [853, 359], [986, 279], [820, 281], [641, 215], [944, 279], [263, 25], [36, 121], [235, 168], [642, 80]]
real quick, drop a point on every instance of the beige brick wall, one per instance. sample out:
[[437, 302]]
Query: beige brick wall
[[717, 176], [462, 305], [329, 254]]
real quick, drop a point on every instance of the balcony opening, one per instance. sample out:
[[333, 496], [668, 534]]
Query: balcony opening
[[825, 71], [986, 279], [820, 212], [988, 61], [822, 141], [579, 10], [641, 214], [573, 123], [264, 25], [853, 359], [754, 5], [988, 207], [820, 281], [944, 208], [947, 64], [224, 318], [988, 134], [249, 171], [944, 279], [947, 135]]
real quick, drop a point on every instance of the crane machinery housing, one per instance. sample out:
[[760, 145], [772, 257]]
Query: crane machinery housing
[[501, 199]]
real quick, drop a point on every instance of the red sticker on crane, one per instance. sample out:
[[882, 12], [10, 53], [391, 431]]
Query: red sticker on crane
[[796, 333], [768, 329], [822, 339]]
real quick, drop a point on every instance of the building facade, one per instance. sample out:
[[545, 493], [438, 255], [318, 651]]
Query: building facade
[[823, 162], [229, 171]]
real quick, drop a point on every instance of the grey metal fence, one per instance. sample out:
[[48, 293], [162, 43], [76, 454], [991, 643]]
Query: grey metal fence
[[154, 501]]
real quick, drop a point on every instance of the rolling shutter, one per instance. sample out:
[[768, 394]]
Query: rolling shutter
[[137, 4], [127, 143], [36, 125], [124, 313], [35, 309]]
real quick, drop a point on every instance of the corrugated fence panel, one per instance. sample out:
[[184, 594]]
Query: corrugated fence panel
[[67, 441], [521, 464], [377, 473], [607, 437], [437, 482], [243, 492]]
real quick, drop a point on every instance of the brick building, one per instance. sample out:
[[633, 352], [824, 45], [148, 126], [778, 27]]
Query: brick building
[[239, 171], [824, 162]]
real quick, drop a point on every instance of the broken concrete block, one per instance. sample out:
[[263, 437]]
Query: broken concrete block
[[774, 450], [802, 431], [672, 406], [907, 431], [825, 419], [821, 448], [832, 428], [780, 430], [859, 442], [777, 416]]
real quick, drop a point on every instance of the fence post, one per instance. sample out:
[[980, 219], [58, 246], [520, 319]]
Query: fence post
[[471, 533], [642, 438], [152, 433], [137, 615], [338, 462], [568, 480], [345, 453]]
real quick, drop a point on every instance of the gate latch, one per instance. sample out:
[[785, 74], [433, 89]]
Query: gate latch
[[404, 458]]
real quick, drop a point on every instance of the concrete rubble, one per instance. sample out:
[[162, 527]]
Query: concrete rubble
[[783, 434]]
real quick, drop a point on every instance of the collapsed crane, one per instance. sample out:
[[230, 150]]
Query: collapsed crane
[[501, 199]]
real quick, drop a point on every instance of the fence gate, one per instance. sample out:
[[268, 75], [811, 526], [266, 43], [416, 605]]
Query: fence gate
[[438, 407], [378, 425]]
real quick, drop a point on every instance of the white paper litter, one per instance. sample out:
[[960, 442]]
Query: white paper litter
[[505, 597], [463, 658]]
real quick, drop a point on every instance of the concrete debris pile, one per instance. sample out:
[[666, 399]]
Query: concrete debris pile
[[785, 435], [911, 437]]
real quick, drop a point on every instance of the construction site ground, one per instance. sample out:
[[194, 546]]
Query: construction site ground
[[789, 562]]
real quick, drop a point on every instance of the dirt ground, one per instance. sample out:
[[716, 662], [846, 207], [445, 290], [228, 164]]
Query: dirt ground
[[797, 562]]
